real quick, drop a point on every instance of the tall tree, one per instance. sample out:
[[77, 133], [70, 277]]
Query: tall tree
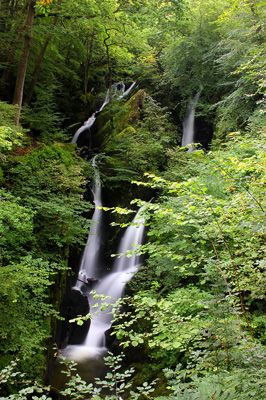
[[23, 63]]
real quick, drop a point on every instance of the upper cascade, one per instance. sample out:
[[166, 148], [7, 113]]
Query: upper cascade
[[117, 91]]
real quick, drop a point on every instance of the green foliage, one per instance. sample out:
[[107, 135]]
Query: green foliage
[[7, 114], [51, 180], [199, 215], [197, 303], [116, 383], [236, 384], [41, 216], [176, 321], [16, 227], [204, 282], [42, 116], [24, 292], [10, 376], [219, 47], [9, 138]]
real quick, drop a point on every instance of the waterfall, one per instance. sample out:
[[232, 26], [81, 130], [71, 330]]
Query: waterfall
[[86, 126], [106, 100], [112, 286], [108, 290], [126, 92], [118, 90], [90, 259], [189, 122], [132, 238]]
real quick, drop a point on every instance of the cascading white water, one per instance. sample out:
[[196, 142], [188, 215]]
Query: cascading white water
[[112, 286], [108, 291], [189, 122], [90, 259], [126, 92], [118, 90], [132, 238], [86, 126], [106, 100]]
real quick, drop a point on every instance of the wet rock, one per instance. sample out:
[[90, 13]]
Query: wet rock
[[74, 304]]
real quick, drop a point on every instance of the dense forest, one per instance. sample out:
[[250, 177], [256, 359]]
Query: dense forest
[[170, 306]]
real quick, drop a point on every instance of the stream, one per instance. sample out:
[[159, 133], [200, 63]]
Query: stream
[[102, 293]]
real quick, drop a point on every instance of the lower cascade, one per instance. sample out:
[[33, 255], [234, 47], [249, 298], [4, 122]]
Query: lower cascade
[[90, 259], [103, 294]]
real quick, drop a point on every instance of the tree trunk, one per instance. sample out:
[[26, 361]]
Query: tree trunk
[[15, 35], [22, 68], [37, 69]]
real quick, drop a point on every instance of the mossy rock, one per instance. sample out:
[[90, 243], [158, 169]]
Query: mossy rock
[[128, 131], [135, 104], [117, 118]]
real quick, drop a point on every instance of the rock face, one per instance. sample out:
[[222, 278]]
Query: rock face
[[73, 304], [135, 104]]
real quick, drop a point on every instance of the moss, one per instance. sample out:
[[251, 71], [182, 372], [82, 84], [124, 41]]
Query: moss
[[129, 130], [118, 117], [135, 104], [104, 131]]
